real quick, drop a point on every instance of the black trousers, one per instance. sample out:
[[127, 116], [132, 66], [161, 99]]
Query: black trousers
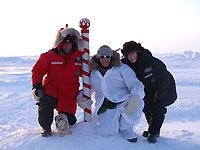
[[46, 108], [155, 115]]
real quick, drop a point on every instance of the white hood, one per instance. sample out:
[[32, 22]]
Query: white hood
[[73, 32]]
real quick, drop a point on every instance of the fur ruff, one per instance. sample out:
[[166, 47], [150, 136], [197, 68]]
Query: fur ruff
[[62, 124], [94, 63], [73, 32]]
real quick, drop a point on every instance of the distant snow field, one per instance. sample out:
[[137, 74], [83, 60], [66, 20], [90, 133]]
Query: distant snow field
[[18, 113]]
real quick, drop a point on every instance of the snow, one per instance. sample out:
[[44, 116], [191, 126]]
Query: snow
[[18, 113]]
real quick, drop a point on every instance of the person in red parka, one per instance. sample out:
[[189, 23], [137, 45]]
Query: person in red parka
[[61, 67]]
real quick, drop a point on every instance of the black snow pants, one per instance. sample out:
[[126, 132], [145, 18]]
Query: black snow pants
[[155, 115], [46, 108]]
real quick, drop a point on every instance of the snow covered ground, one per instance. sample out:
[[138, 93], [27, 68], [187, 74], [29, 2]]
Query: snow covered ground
[[19, 129]]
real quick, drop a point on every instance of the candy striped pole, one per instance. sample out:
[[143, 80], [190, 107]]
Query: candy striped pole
[[84, 25]]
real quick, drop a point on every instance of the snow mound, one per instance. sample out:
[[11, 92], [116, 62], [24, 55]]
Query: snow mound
[[192, 55]]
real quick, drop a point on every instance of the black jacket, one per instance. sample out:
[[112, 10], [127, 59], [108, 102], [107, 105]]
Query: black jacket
[[157, 80]]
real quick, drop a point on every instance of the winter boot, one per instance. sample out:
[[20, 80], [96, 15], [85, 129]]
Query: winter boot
[[46, 132], [145, 134], [132, 140], [152, 138], [129, 135]]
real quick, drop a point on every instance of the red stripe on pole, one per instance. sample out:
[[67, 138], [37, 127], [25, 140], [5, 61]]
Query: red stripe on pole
[[84, 31], [85, 96], [86, 73], [86, 50], [88, 111], [85, 39], [85, 61], [86, 85]]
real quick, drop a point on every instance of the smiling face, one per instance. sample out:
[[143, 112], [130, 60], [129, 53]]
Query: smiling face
[[105, 61], [132, 57], [67, 47]]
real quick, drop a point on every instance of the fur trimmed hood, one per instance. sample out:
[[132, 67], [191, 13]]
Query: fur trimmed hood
[[94, 63], [73, 32]]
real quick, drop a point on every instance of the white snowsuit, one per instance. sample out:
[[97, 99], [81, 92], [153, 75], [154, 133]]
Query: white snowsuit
[[116, 85]]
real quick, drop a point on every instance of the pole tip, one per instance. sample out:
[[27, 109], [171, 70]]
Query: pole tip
[[84, 23]]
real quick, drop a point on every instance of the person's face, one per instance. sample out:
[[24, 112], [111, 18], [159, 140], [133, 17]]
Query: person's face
[[132, 57], [105, 60], [67, 47]]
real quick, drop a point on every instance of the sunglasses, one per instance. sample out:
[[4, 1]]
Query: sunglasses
[[67, 41], [104, 56]]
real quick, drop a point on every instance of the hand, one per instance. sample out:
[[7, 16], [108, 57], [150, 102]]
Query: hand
[[132, 104], [37, 94], [83, 102]]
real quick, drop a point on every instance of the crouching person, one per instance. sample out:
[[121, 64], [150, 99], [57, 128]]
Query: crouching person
[[118, 96], [62, 67], [160, 86]]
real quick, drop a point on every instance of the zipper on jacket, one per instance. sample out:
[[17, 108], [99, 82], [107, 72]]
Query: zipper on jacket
[[66, 61]]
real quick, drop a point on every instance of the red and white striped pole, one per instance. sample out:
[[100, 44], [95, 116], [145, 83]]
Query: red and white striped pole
[[84, 25]]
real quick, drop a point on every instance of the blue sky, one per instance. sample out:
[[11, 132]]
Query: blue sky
[[168, 26]]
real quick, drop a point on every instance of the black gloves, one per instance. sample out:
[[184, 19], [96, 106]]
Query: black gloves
[[37, 92]]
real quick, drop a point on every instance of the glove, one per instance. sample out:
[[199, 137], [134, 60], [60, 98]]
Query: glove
[[37, 94], [83, 102], [132, 104]]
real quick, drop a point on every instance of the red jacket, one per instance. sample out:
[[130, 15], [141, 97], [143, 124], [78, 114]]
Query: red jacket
[[62, 77]]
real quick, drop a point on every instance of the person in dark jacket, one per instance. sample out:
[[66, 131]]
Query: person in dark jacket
[[160, 87]]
